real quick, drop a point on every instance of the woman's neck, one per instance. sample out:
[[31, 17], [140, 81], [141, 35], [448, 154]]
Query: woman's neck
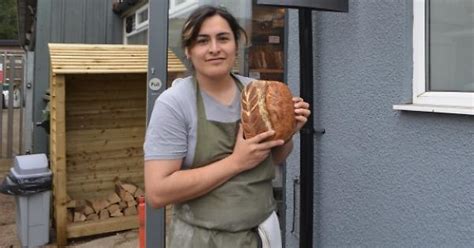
[[214, 85], [222, 89]]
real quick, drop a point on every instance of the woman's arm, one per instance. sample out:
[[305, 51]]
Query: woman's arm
[[166, 183]]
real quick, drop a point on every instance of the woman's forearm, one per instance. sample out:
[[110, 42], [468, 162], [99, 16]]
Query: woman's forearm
[[163, 187]]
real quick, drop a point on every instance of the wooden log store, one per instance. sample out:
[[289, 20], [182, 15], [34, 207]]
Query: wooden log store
[[98, 119]]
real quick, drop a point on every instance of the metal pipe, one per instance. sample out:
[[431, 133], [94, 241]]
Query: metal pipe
[[10, 108], [4, 68], [306, 137]]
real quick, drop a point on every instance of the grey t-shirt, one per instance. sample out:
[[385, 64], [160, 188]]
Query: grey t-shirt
[[171, 132]]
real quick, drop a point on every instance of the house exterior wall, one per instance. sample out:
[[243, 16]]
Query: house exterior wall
[[67, 21], [383, 178]]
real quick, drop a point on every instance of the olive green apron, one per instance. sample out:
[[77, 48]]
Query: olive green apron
[[228, 215]]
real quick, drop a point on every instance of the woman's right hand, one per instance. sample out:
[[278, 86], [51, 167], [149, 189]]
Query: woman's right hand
[[248, 153]]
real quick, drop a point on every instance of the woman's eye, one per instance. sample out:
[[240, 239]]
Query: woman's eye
[[224, 38], [202, 41]]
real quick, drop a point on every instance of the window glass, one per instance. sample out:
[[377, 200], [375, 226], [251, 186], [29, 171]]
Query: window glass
[[451, 45], [143, 16]]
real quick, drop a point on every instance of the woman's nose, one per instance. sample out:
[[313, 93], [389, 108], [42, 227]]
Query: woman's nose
[[214, 46]]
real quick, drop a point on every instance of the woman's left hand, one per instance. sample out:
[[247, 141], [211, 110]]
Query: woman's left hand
[[302, 112]]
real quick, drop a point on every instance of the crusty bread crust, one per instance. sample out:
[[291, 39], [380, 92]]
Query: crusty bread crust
[[267, 105]]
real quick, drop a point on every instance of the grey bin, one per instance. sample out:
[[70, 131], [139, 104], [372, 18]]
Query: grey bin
[[32, 215]]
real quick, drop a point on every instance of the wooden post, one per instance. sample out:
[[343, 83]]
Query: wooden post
[[58, 156]]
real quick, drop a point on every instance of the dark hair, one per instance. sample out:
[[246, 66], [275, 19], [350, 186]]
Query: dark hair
[[194, 22]]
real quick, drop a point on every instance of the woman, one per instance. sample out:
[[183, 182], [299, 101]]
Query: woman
[[195, 153]]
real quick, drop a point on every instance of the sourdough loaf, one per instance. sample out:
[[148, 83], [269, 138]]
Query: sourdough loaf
[[267, 105]]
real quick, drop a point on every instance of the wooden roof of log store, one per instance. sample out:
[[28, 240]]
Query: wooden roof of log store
[[95, 59]]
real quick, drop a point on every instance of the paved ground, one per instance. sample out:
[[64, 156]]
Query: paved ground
[[7, 221], [8, 237]]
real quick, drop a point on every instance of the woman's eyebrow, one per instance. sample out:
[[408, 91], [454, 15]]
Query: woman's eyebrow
[[218, 34]]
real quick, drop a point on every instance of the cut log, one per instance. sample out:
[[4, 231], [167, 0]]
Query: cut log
[[104, 214], [113, 198], [117, 213], [130, 188], [79, 217], [122, 193], [131, 203], [128, 197], [130, 211], [85, 210], [93, 216], [99, 204], [122, 204], [139, 193], [114, 207]]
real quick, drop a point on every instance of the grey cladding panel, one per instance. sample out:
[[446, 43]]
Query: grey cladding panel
[[95, 21], [57, 21], [114, 26], [74, 21]]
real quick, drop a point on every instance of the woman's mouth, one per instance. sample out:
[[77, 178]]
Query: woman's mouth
[[215, 59]]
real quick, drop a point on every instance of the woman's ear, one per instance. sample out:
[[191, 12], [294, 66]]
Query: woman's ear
[[186, 52]]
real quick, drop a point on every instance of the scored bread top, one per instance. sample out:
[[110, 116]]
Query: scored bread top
[[267, 105]]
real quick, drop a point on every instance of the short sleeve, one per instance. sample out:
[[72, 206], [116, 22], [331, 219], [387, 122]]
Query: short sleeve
[[166, 135]]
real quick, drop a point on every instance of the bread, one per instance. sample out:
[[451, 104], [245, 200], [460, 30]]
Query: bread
[[267, 105]]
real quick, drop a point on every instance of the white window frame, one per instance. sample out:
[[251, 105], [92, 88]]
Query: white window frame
[[179, 9], [423, 99], [139, 27], [138, 23]]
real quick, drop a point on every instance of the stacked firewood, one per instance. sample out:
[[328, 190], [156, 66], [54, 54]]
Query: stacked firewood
[[122, 202]]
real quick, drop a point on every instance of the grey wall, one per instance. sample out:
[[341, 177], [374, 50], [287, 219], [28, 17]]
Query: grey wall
[[292, 166], [385, 178], [67, 21]]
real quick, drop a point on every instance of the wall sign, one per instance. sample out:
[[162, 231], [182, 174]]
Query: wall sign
[[155, 84]]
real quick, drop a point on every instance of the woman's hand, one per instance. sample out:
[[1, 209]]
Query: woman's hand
[[248, 153], [302, 112]]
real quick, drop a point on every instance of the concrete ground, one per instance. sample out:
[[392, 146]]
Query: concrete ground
[[7, 222], [8, 237]]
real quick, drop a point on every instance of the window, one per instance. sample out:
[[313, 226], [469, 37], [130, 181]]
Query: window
[[443, 57], [136, 27], [179, 7]]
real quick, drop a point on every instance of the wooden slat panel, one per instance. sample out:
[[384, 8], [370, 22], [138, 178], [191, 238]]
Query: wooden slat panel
[[99, 156], [104, 134], [92, 59], [97, 176], [103, 145], [115, 123], [85, 71], [115, 224], [110, 165]]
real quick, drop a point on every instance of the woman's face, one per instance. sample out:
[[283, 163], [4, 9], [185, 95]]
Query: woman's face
[[214, 50]]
